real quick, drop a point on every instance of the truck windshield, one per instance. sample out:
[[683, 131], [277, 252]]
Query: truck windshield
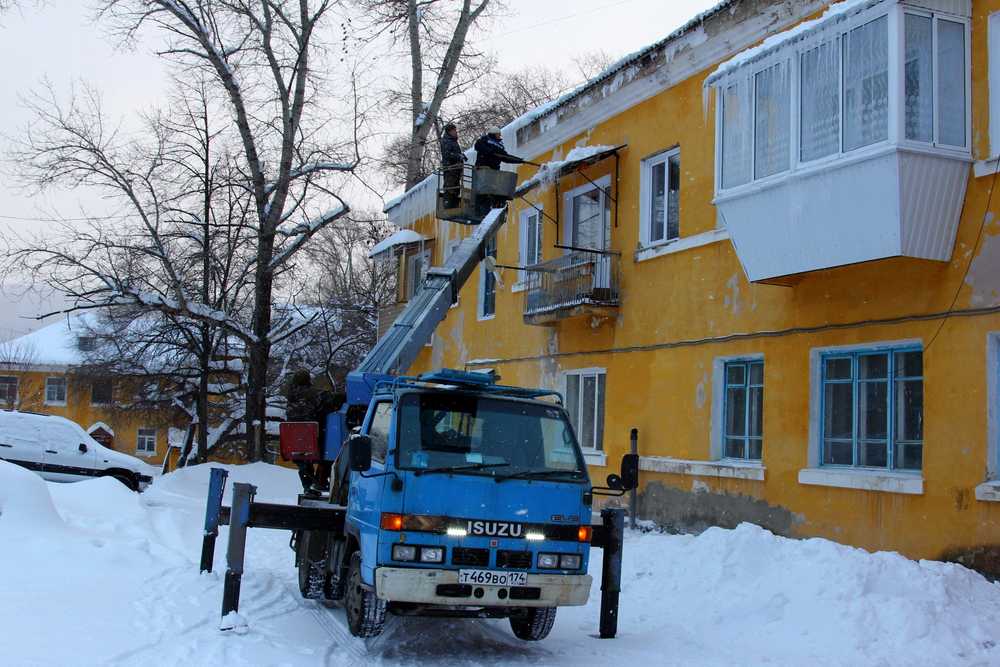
[[486, 436]]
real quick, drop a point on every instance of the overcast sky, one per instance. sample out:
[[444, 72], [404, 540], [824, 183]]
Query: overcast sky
[[76, 49]]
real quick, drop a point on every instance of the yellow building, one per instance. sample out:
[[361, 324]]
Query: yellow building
[[42, 372], [780, 264]]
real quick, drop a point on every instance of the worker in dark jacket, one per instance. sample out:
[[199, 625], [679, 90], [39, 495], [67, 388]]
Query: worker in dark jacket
[[490, 151], [452, 161], [303, 401]]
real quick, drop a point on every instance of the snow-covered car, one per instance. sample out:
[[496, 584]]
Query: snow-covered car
[[61, 451]]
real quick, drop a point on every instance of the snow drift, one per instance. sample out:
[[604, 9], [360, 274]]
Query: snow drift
[[111, 577]]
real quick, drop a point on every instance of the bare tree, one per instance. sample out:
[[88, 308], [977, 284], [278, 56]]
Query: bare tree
[[259, 58], [436, 37], [17, 356]]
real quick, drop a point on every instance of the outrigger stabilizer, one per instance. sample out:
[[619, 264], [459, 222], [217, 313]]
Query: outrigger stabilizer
[[246, 513]]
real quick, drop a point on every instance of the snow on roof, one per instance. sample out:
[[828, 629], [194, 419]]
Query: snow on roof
[[100, 425], [402, 237], [552, 170], [834, 13], [56, 344]]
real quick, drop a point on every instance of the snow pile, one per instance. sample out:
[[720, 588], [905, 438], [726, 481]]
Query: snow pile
[[550, 171], [120, 584], [402, 237], [833, 13]]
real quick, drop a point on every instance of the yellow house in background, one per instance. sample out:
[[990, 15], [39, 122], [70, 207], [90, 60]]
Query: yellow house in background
[[41, 372], [779, 262]]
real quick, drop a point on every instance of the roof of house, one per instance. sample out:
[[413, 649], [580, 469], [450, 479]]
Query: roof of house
[[56, 344]]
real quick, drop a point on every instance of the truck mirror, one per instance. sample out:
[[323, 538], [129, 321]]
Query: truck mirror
[[360, 453], [630, 472]]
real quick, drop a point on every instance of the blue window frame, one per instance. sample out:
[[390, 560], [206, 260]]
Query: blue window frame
[[873, 409], [743, 430]]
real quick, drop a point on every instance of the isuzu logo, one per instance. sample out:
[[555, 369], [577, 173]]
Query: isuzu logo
[[495, 528]]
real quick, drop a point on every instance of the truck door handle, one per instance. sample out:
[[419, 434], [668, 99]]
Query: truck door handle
[[51, 451]]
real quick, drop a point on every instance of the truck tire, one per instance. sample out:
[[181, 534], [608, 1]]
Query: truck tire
[[535, 624], [311, 559], [125, 478], [365, 612]]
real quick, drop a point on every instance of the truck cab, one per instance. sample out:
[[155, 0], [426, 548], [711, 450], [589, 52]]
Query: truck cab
[[464, 500]]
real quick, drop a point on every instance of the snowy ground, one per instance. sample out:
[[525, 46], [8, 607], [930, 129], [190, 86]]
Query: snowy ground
[[93, 574]]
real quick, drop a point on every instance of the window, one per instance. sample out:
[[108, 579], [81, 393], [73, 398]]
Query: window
[[378, 430], [873, 409], [101, 392], [55, 390], [736, 138], [488, 284], [994, 74], [866, 84], [585, 404], [416, 270], [589, 223], [819, 73], [661, 187], [86, 343], [926, 39], [743, 431], [145, 441], [8, 389], [529, 241], [772, 111]]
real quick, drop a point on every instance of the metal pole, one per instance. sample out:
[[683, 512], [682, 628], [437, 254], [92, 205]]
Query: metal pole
[[213, 508], [239, 517], [633, 495], [611, 577]]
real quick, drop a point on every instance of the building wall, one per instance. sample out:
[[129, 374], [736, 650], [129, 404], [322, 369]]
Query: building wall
[[78, 408], [683, 311]]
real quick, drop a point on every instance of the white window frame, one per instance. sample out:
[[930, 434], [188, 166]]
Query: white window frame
[[65, 385], [601, 184], [646, 189], [993, 57], [449, 249], [581, 373], [413, 281], [143, 436], [990, 489], [522, 245], [481, 314], [895, 136]]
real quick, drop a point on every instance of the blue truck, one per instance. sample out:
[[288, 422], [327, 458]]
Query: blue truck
[[452, 495]]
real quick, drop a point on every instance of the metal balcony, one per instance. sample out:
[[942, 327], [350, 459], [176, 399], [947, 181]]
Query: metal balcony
[[580, 283]]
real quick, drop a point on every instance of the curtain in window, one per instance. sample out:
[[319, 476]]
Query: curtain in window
[[951, 83], [820, 90], [772, 113], [735, 134], [866, 84], [919, 75]]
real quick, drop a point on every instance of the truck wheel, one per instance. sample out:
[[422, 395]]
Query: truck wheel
[[311, 562], [365, 612], [535, 624], [128, 480]]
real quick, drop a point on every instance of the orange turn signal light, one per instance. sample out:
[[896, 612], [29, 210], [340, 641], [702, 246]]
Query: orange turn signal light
[[392, 521], [584, 533]]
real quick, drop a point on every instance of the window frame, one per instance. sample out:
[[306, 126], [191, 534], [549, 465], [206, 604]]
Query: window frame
[[646, 191], [854, 354], [17, 389], [412, 280], [896, 107], [600, 401], [535, 212], [65, 390], [746, 363], [382, 456], [484, 281], [145, 434], [111, 392], [993, 79], [602, 185]]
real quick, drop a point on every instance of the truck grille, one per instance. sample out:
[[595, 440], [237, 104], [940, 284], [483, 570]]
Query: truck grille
[[463, 556], [518, 560]]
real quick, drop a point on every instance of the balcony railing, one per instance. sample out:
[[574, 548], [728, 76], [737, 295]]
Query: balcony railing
[[581, 282]]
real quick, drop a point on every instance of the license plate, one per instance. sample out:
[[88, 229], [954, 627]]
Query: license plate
[[491, 578]]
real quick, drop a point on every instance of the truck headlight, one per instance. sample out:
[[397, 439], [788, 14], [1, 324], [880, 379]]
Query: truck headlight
[[548, 561], [569, 561], [404, 552], [431, 554]]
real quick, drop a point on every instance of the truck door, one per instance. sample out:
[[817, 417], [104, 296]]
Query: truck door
[[64, 460], [364, 504], [20, 442]]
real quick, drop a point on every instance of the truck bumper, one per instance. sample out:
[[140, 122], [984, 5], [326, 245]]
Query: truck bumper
[[396, 584]]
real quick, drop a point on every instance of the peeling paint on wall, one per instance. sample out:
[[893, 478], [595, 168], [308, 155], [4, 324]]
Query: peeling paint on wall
[[732, 299]]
